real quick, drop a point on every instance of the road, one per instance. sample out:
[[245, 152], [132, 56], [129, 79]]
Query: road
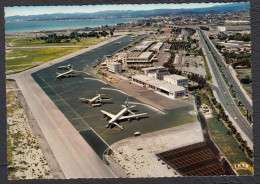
[[74, 155], [240, 93], [226, 99]]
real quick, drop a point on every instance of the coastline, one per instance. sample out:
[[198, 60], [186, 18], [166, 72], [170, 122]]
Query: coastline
[[92, 24]]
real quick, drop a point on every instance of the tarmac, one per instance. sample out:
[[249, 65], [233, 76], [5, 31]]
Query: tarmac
[[75, 131], [73, 154]]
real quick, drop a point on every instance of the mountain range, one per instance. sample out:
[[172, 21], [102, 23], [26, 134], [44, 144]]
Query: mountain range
[[126, 13]]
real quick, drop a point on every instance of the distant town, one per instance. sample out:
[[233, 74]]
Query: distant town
[[162, 96]]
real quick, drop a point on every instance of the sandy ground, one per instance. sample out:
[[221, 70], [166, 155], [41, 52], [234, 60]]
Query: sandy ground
[[27, 160], [137, 155], [74, 156]]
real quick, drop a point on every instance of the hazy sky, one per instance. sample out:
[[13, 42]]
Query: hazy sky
[[35, 10]]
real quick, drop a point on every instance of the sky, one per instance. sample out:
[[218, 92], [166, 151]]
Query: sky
[[36, 10]]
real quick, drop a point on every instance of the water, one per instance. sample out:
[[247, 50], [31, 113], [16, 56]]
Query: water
[[84, 118], [48, 25]]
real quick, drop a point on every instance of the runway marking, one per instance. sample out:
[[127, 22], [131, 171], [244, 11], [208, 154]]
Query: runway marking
[[72, 125], [104, 132], [63, 84], [69, 90], [82, 72], [64, 99], [116, 90], [80, 107], [89, 78], [76, 113], [90, 116], [154, 108], [58, 129]]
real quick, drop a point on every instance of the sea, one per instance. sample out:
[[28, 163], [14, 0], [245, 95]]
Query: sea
[[50, 25]]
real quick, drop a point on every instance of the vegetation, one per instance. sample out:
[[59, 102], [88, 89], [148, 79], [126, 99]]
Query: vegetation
[[208, 96], [33, 42], [18, 60], [245, 73], [204, 28], [240, 37], [209, 77], [225, 135], [228, 145], [237, 59], [180, 45]]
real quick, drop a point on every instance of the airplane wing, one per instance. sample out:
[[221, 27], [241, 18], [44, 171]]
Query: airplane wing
[[108, 114], [131, 116]]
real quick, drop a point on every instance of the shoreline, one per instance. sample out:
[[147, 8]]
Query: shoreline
[[75, 28]]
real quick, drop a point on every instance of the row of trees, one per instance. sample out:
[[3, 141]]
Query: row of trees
[[54, 38], [240, 37], [231, 128], [204, 28], [180, 45], [170, 62], [246, 80], [238, 59]]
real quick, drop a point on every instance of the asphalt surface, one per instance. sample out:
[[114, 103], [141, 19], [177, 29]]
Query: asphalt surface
[[74, 155], [226, 99], [88, 120], [239, 93]]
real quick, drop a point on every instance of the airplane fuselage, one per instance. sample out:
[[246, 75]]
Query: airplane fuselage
[[64, 74], [118, 115], [95, 99]]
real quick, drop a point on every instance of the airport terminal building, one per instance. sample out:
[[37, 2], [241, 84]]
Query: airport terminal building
[[140, 58], [162, 87], [176, 80], [114, 67]]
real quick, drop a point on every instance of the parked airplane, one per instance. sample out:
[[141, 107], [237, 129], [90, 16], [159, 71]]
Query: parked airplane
[[66, 67], [95, 101], [65, 74], [121, 116]]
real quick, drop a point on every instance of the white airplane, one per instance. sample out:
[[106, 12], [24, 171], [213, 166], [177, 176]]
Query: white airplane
[[95, 101], [65, 74], [120, 116]]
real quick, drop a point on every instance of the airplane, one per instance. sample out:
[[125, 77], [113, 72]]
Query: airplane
[[95, 101], [65, 74], [67, 67], [120, 116]]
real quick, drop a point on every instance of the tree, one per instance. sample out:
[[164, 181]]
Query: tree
[[111, 33]]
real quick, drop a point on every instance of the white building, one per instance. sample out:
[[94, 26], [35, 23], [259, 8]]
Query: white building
[[158, 74], [159, 86], [143, 45], [140, 58], [114, 67], [121, 57], [157, 47], [176, 80]]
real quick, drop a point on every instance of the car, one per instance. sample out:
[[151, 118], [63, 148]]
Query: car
[[235, 118]]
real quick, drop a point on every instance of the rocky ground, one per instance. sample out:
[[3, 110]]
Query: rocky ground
[[25, 158]]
